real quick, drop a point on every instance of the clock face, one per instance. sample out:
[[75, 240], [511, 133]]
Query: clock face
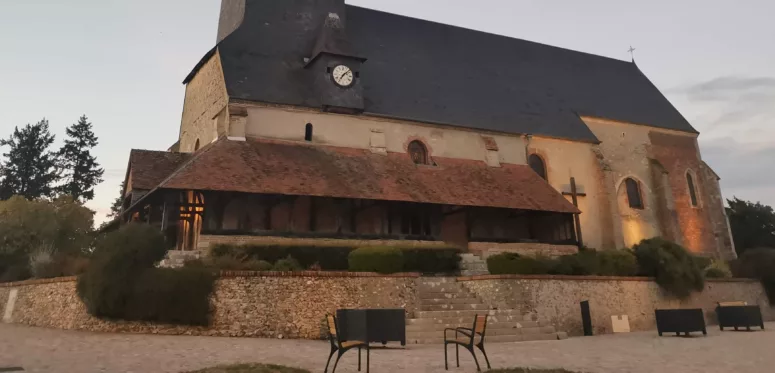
[[343, 76]]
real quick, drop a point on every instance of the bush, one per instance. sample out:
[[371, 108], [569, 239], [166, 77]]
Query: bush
[[175, 296], [758, 264], [717, 269], [618, 263], [675, 269], [287, 265], [432, 259], [123, 283], [583, 263], [377, 259], [515, 264]]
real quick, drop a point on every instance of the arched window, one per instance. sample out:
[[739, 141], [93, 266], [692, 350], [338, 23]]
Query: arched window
[[692, 190], [308, 132], [537, 164], [196, 146], [634, 196], [418, 152]]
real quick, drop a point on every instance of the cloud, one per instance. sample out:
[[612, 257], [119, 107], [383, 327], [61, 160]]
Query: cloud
[[730, 106], [744, 167]]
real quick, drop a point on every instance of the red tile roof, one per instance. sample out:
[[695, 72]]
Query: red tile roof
[[273, 167], [149, 168]]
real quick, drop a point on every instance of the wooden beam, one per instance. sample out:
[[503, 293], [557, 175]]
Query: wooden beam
[[576, 220], [578, 194]]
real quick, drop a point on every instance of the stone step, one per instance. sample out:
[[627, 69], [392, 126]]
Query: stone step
[[438, 295], [467, 321], [493, 339], [469, 314], [491, 326], [455, 307], [439, 288], [436, 301]]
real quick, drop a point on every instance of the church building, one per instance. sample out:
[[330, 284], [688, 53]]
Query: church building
[[313, 119]]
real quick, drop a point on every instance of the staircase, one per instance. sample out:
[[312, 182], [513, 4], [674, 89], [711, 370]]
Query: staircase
[[472, 265], [444, 303]]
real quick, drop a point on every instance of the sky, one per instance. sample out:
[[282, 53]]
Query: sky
[[122, 63]]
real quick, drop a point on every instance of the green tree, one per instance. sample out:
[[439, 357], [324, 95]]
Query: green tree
[[30, 168], [115, 207], [81, 170], [752, 224]]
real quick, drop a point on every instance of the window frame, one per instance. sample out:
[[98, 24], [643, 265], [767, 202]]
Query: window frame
[[545, 172], [637, 192], [421, 147], [694, 198]]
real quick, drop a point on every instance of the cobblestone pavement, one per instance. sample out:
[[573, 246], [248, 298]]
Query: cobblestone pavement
[[48, 350]]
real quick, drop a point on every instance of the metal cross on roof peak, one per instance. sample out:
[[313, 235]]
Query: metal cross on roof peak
[[632, 53]]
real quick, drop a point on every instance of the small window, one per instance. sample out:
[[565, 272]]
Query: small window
[[633, 193], [692, 190], [196, 146], [418, 152], [308, 132], [537, 164]]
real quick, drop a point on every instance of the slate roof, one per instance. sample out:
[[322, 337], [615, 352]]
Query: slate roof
[[149, 168], [278, 167], [430, 72]]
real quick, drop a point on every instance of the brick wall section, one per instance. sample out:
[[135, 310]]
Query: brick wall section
[[205, 99], [244, 304], [679, 154], [555, 299]]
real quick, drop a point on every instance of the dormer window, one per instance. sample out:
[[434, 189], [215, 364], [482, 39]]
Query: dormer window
[[418, 152]]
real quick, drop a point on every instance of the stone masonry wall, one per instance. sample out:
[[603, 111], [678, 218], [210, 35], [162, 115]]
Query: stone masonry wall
[[555, 299], [205, 99], [244, 305], [485, 249]]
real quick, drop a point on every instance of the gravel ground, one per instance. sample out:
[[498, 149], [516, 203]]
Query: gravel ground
[[48, 350]]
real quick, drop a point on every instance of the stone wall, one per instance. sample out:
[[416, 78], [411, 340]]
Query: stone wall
[[244, 304], [485, 249], [205, 241], [555, 299], [206, 99]]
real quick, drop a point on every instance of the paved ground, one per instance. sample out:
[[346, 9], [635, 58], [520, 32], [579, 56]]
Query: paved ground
[[47, 350]]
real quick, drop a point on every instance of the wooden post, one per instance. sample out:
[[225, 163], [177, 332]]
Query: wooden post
[[164, 215], [574, 197]]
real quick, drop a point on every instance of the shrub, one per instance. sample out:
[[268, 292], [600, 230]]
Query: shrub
[[617, 263], [675, 269], [758, 264], [175, 296], [288, 264], [377, 259], [718, 269], [515, 264], [41, 262], [123, 283], [432, 260], [583, 263]]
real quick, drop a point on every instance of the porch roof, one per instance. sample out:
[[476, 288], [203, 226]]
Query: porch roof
[[292, 168]]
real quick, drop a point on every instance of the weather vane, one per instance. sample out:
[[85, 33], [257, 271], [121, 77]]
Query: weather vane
[[632, 53]]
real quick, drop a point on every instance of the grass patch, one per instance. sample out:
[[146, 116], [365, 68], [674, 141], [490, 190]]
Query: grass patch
[[530, 370], [250, 368]]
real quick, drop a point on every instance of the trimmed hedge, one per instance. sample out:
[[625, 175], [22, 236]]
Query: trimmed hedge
[[122, 282], [676, 270], [583, 263], [380, 259], [515, 264], [424, 259]]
